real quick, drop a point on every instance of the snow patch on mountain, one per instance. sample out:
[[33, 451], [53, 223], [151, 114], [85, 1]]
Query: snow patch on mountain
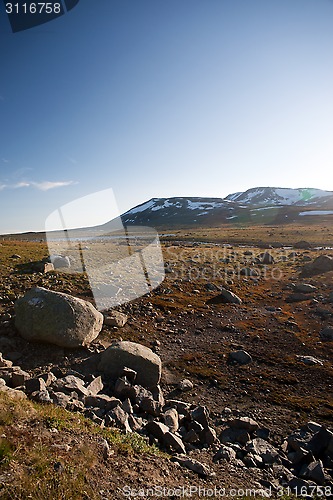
[[317, 212], [200, 205], [143, 207]]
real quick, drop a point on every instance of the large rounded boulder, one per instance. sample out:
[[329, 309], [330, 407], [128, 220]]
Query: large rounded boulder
[[138, 357], [57, 318]]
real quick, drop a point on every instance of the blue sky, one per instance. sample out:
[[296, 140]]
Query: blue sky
[[156, 98]]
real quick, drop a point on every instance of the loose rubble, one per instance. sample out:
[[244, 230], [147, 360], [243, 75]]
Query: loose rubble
[[302, 460]]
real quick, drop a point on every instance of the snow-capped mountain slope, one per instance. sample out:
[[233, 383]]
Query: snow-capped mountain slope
[[280, 196], [173, 209], [256, 205]]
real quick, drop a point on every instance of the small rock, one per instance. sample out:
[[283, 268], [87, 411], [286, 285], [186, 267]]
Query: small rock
[[304, 288], [265, 450], [225, 297], [174, 442], [241, 357], [4, 363], [314, 471], [185, 385], [71, 383], [309, 360], [225, 453], [19, 378], [171, 419], [95, 386], [193, 465], [41, 397], [327, 334], [297, 297], [35, 385], [246, 423], [266, 258], [115, 318]]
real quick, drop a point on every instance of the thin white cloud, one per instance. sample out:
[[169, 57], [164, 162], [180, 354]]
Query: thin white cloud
[[46, 185], [42, 186], [20, 185], [5, 160]]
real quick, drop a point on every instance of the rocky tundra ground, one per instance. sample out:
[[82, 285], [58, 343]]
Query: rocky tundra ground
[[245, 338]]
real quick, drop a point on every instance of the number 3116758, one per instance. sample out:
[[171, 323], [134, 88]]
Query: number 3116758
[[33, 8]]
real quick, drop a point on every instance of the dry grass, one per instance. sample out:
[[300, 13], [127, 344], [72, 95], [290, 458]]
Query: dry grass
[[47, 452]]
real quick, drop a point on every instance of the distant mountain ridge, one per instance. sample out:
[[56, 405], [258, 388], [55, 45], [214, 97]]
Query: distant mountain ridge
[[258, 205], [280, 196]]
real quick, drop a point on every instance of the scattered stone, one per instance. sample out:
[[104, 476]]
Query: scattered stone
[[121, 418], [302, 245], [171, 419], [185, 385], [304, 288], [266, 258], [127, 406], [157, 429], [95, 386], [106, 452], [240, 436], [41, 397], [181, 406], [246, 423], [208, 436], [225, 453], [322, 264], [201, 415], [309, 360], [60, 399], [241, 357], [57, 318], [71, 383], [210, 287], [314, 471], [122, 387], [5, 363], [115, 318], [263, 449], [225, 297], [35, 385], [248, 271], [12, 393], [129, 374], [174, 442], [297, 297], [102, 401], [42, 267], [191, 437], [19, 377], [193, 465], [48, 378], [60, 261], [327, 334]]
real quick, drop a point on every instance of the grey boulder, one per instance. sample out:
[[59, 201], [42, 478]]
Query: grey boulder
[[138, 357], [57, 318]]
